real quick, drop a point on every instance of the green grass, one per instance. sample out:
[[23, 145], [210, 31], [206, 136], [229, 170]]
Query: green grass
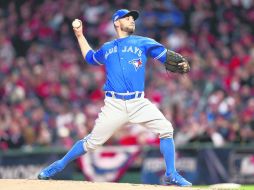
[[247, 187]]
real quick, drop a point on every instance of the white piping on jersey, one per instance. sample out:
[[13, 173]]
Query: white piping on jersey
[[127, 93], [162, 53], [96, 60]]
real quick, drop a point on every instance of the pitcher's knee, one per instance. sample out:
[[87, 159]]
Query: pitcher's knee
[[91, 144], [167, 130], [90, 147]]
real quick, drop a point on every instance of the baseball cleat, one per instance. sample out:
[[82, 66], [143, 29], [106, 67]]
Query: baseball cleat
[[50, 171], [176, 179]]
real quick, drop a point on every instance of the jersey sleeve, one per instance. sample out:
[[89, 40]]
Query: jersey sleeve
[[155, 50], [95, 57]]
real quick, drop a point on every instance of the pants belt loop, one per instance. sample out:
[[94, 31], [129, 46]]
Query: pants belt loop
[[136, 94], [113, 94]]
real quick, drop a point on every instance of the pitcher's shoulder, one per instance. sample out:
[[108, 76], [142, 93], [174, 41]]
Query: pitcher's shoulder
[[139, 37], [109, 43], [142, 40]]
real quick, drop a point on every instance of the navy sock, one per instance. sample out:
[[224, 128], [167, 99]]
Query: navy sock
[[76, 151], [167, 148]]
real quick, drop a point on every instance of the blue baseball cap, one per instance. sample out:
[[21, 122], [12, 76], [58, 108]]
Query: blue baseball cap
[[123, 13]]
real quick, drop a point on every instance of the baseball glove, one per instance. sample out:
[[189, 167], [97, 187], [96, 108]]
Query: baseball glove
[[176, 63]]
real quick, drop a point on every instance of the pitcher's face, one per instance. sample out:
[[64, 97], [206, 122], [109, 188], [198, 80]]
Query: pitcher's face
[[127, 24]]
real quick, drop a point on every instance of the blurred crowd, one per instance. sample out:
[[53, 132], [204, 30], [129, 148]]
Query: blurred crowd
[[51, 97]]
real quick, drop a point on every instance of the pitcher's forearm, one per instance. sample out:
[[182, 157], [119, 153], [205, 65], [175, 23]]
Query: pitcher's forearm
[[83, 44]]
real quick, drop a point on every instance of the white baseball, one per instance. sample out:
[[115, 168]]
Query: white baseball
[[76, 23]]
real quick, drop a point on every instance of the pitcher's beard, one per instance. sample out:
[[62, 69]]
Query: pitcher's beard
[[128, 30]]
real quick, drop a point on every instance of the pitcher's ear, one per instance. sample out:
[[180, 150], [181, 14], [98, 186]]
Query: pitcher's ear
[[116, 23]]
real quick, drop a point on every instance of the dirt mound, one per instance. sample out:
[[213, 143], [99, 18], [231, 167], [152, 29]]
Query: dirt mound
[[29, 184]]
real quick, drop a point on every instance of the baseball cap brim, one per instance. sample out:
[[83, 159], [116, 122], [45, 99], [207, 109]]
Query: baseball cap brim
[[134, 14]]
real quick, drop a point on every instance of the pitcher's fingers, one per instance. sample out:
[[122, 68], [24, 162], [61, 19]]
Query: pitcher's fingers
[[182, 63]]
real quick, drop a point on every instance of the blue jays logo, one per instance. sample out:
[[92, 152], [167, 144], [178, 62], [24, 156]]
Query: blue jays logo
[[137, 63]]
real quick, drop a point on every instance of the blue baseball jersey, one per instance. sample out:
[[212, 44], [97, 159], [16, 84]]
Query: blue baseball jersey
[[125, 61]]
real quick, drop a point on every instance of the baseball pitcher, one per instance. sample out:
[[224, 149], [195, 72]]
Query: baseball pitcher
[[125, 60]]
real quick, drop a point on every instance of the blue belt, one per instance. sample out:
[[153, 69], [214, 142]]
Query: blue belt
[[124, 96]]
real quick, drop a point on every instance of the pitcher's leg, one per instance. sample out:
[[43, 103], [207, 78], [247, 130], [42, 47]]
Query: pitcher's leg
[[76, 151], [167, 149], [112, 117], [171, 177], [148, 114]]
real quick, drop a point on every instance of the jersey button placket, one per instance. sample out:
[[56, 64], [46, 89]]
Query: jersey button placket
[[121, 58], [121, 62]]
